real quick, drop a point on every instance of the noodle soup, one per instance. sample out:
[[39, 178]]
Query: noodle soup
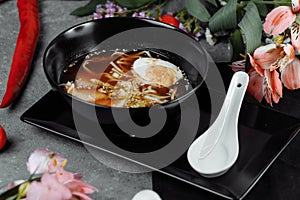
[[140, 78]]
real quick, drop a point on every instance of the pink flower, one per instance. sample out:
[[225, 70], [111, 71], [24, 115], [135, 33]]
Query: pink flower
[[274, 86], [239, 65], [62, 185], [271, 57], [265, 61], [295, 34], [77, 187], [42, 160], [279, 19], [140, 14], [290, 75], [48, 189], [282, 17], [256, 85], [268, 86]]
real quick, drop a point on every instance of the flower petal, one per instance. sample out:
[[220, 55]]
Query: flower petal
[[64, 176], [295, 5], [55, 188], [36, 191], [290, 75], [274, 84], [286, 59], [276, 87], [259, 70], [82, 196], [289, 51], [80, 186], [268, 96], [295, 31], [38, 161], [279, 19], [266, 56], [256, 85], [42, 160], [239, 65]]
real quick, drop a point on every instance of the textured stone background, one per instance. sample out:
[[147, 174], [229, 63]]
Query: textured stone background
[[23, 138]]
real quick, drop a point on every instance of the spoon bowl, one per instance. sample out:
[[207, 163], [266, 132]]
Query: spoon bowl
[[217, 149]]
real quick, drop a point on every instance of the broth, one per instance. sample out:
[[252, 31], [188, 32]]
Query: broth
[[133, 79]]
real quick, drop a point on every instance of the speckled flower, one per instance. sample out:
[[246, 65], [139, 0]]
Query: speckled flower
[[42, 160], [109, 9], [182, 27], [140, 14]]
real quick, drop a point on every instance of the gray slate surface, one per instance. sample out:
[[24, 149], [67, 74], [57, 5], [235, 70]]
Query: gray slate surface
[[23, 138]]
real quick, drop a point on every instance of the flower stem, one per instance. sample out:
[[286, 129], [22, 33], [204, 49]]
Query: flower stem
[[273, 3]]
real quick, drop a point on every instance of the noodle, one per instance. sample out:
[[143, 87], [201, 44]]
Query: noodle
[[119, 84]]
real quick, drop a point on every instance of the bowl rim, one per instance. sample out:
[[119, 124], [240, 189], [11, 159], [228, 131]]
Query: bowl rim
[[150, 21]]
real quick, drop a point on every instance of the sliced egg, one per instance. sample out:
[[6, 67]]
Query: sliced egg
[[157, 71]]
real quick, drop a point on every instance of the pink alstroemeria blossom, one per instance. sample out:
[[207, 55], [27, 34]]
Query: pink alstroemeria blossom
[[266, 60], [274, 85], [281, 18], [295, 34], [48, 189], [256, 85], [296, 5], [74, 183], [62, 185], [239, 65], [268, 87], [290, 75], [42, 160], [271, 57]]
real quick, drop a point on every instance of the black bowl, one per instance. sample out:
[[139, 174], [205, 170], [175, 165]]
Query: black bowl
[[129, 33]]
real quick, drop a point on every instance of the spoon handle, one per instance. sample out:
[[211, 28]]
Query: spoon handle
[[229, 113], [235, 96]]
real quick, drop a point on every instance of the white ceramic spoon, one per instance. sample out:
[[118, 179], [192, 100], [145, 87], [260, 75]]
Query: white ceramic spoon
[[146, 195], [217, 149]]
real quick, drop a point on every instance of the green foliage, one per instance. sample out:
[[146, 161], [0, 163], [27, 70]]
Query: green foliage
[[88, 8], [262, 9], [298, 18], [283, 2], [237, 43], [251, 27], [197, 10], [241, 18], [134, 4], [212, 2], [225, 18]]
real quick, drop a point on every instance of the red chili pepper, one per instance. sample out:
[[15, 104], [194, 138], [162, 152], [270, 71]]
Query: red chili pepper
[[169, 19], [24, 51], [2, 137]]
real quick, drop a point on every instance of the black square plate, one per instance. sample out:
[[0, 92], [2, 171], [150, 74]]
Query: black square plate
[[263, 134]]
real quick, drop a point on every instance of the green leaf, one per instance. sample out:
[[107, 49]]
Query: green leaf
[[251, 27], [10, 194], [297, 18], [88, 9], [283, 2], [12, 197], [197, 9], [134, 4], [225, 18], [237, 43], [262, 9], [212, 2], [13, 193]]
